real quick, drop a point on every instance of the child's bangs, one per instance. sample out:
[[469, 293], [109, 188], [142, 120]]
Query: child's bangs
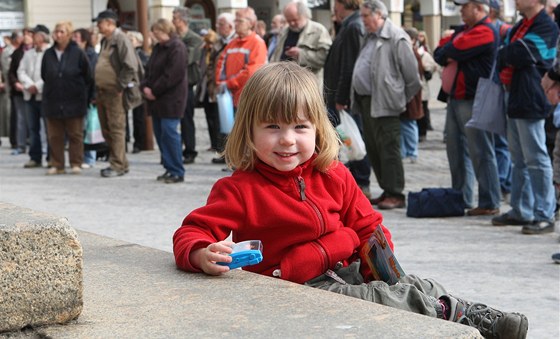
[[283, 101]]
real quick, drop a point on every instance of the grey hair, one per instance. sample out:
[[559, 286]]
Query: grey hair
[[183, 13], [228, 17], [376, 6], [302, 9], [46, 37], [486, 9]]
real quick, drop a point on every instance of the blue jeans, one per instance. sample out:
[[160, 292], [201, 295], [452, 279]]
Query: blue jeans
[[90, 157], [409, 138], [503, 159], [470, 151], [33, 114], [532, 194], [169, 143]]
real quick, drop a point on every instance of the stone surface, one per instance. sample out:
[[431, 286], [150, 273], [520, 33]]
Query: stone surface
[[133, 291], [40, 269]]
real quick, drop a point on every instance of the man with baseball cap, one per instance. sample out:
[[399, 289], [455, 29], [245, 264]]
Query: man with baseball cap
[[470, 151], [117, 83]]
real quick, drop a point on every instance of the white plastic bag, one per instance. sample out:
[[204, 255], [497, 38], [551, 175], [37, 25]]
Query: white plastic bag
[[225, 110], [353, 147]]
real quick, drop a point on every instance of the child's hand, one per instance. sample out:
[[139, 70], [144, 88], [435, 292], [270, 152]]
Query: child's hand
[[206, 258]]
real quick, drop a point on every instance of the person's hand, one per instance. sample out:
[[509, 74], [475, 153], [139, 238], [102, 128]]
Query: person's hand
[[18, 86], [33, 89], [222, 87], [293, 52], [206, 258], [341, 107], [553, 93], [547, 82], [148, 93]]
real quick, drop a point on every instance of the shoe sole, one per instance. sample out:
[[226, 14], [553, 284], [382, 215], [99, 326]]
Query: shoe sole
[[517, 330], [539, 231]]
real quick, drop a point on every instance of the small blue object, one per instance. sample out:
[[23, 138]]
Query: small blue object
[[244, 254]]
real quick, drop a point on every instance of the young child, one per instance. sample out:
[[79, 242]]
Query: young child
[[290, 192]]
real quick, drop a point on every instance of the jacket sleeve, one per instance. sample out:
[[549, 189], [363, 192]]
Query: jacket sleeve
[[350, 50], [257, 58], [209, 224], [314, 55], [537, 47], [194, 51], [465, 45], [172, 74], [128, 62], [220, 65], [408, 65], [24, 69]]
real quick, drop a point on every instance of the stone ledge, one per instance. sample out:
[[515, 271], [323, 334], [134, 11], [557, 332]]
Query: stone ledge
[[40, 269], [136, 292]]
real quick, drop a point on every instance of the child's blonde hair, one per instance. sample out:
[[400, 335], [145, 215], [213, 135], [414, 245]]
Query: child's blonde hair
[[277, 93]]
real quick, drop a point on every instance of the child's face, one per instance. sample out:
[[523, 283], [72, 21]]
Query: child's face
[[285, 146]]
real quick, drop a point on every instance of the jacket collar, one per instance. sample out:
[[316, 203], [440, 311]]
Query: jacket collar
[[283, 178]]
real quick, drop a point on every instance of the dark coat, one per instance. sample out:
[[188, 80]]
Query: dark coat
[[166, 76], [531, 57], [340, 61], [66, 88]]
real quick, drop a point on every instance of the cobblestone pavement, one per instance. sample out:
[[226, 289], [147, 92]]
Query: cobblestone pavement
[[474, 260]]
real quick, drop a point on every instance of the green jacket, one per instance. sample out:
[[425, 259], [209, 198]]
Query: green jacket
[[127, 66], [193, 42]]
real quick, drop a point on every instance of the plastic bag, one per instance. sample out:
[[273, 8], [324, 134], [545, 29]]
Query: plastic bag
[[92, 128], [225, 109], [353, 147]]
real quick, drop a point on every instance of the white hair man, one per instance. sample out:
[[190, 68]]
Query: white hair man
[[303, 41]]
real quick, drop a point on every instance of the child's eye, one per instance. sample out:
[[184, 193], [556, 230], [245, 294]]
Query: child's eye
[[302, 126], [272, 126]]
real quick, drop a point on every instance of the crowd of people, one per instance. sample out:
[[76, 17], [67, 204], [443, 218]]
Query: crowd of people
[[367, 65]]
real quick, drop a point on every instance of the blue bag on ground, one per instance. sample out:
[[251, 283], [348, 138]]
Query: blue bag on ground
[[435, 202], [225, 109]]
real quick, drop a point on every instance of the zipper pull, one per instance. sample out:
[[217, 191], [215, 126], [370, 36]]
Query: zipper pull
[[301, 184]]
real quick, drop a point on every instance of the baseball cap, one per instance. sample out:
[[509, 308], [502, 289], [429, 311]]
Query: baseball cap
[[463, 2], [108, 14], [41, 28]]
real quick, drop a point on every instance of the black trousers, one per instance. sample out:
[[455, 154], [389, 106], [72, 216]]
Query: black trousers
[[188, 128]]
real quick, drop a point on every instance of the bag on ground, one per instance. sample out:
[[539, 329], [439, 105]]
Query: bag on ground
[[353, 147], [435, 203]]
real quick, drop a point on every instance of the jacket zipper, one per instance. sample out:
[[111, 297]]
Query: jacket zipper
[[324, 255], [301, 184]]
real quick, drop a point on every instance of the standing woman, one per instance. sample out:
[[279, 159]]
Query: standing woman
[[164, 88], [66, 74]]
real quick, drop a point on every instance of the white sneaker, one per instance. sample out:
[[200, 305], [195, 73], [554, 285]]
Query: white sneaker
[[55, 171], [76, 170], [86, 166]]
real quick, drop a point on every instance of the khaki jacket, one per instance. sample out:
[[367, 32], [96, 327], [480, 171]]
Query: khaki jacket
[[314, 43]]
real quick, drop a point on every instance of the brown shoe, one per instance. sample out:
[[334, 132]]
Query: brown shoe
[[482, 211], [376, 201], [390, 203]]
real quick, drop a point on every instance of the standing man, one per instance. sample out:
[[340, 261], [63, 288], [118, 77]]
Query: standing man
[[385, 78], [271, 38], [339, 67], [193, 42], [30, 81], [303, 41], [474, 47], [117, 83], [226, 33], [527, 54]]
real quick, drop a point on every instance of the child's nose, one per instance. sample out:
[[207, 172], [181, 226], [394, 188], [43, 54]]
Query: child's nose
[[287, 138]]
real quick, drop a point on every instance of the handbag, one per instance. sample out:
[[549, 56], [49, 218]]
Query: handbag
[[225, 110], [448, 75], [414, 110], [353, 147], [488, 112], [92, 128], [435, 203]]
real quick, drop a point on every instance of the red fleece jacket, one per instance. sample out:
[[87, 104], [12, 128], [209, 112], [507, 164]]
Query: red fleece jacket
[[304, 232]]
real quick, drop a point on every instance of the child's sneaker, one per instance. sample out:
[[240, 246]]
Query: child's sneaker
[[490, 323]]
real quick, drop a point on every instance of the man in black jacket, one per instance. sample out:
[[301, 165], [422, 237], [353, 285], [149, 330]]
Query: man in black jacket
[[338, 70]]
